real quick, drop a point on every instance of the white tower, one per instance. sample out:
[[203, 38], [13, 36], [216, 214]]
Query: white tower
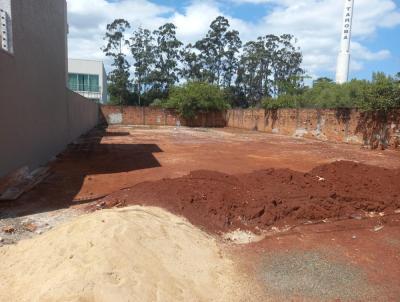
[[343, 63]]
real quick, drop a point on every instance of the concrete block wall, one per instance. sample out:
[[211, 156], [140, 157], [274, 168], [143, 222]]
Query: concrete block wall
[[39, 116], [83, 115]]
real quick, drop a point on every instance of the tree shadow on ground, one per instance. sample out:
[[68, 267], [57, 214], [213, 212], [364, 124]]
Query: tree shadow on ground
[[86, 157]]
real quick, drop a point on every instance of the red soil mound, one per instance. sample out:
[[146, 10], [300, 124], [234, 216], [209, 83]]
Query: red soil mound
[[220, 202]]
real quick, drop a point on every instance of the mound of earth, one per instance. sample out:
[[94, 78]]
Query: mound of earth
[[220, 202], [130, 254]]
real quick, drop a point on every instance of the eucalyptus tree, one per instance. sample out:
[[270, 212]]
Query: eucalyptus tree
[[288, 74], [251, 73], [119, 86], [166, 57], [269, 66], [231, 60], [142, 49], [191, 65], [218, 53]]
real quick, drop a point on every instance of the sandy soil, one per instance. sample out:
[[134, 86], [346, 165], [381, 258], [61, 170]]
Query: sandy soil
[[130, 254]]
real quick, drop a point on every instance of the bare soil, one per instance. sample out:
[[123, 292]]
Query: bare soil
[[222, 202], [357, 260], [106, 161], [222, 179]]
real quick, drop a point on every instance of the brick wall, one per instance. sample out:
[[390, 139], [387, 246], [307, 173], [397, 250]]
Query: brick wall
[[130, 115], [340, 125]]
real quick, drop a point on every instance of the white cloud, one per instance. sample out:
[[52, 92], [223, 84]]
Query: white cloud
[[364, 53], [316, 24], [88, 19], [194, 22]]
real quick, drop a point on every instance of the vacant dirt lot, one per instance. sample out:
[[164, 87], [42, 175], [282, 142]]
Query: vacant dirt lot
[[104, 162], [338, 240]]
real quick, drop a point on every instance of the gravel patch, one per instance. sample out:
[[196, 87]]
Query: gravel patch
[[393, 242], [311, 275], [16, 228]]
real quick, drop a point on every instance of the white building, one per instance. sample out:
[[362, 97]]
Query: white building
[[88, 78]]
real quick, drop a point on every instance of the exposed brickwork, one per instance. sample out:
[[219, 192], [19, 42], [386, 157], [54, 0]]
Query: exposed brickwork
[[340, 125], [129, 115]]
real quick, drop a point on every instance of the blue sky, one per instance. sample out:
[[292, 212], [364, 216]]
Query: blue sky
[[388, 39], [316, 24]]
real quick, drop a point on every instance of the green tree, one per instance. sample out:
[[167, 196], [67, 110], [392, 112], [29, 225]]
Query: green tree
[[191, 66], [142, 50], [269, 66], [382, 93], [255, 76], [218, 51], [322, 80], [287, 59], [230, 59], [119, 86], [397, 79], [194, 97], [167, 55]]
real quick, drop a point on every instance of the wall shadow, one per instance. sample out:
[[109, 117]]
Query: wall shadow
[[87, 156]]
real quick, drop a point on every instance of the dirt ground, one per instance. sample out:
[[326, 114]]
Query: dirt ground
[[309, 262], [262, 199]]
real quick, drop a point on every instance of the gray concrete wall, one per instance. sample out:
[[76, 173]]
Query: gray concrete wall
[[83, 114], [38, 114]]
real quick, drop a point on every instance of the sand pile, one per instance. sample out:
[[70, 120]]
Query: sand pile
[[221, 202], [130, 254]]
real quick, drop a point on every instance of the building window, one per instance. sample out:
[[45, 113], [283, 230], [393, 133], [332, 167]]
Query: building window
[[83, 82], [6, 40]]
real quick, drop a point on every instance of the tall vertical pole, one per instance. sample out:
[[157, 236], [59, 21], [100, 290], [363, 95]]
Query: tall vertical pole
[[343, 63]]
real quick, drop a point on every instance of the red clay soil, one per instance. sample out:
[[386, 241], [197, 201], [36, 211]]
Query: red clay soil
[[273, 197]]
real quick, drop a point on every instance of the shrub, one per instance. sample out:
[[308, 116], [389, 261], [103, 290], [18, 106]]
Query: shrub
[[382, 93], [157, 103], [194, 97], [284, 101]]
